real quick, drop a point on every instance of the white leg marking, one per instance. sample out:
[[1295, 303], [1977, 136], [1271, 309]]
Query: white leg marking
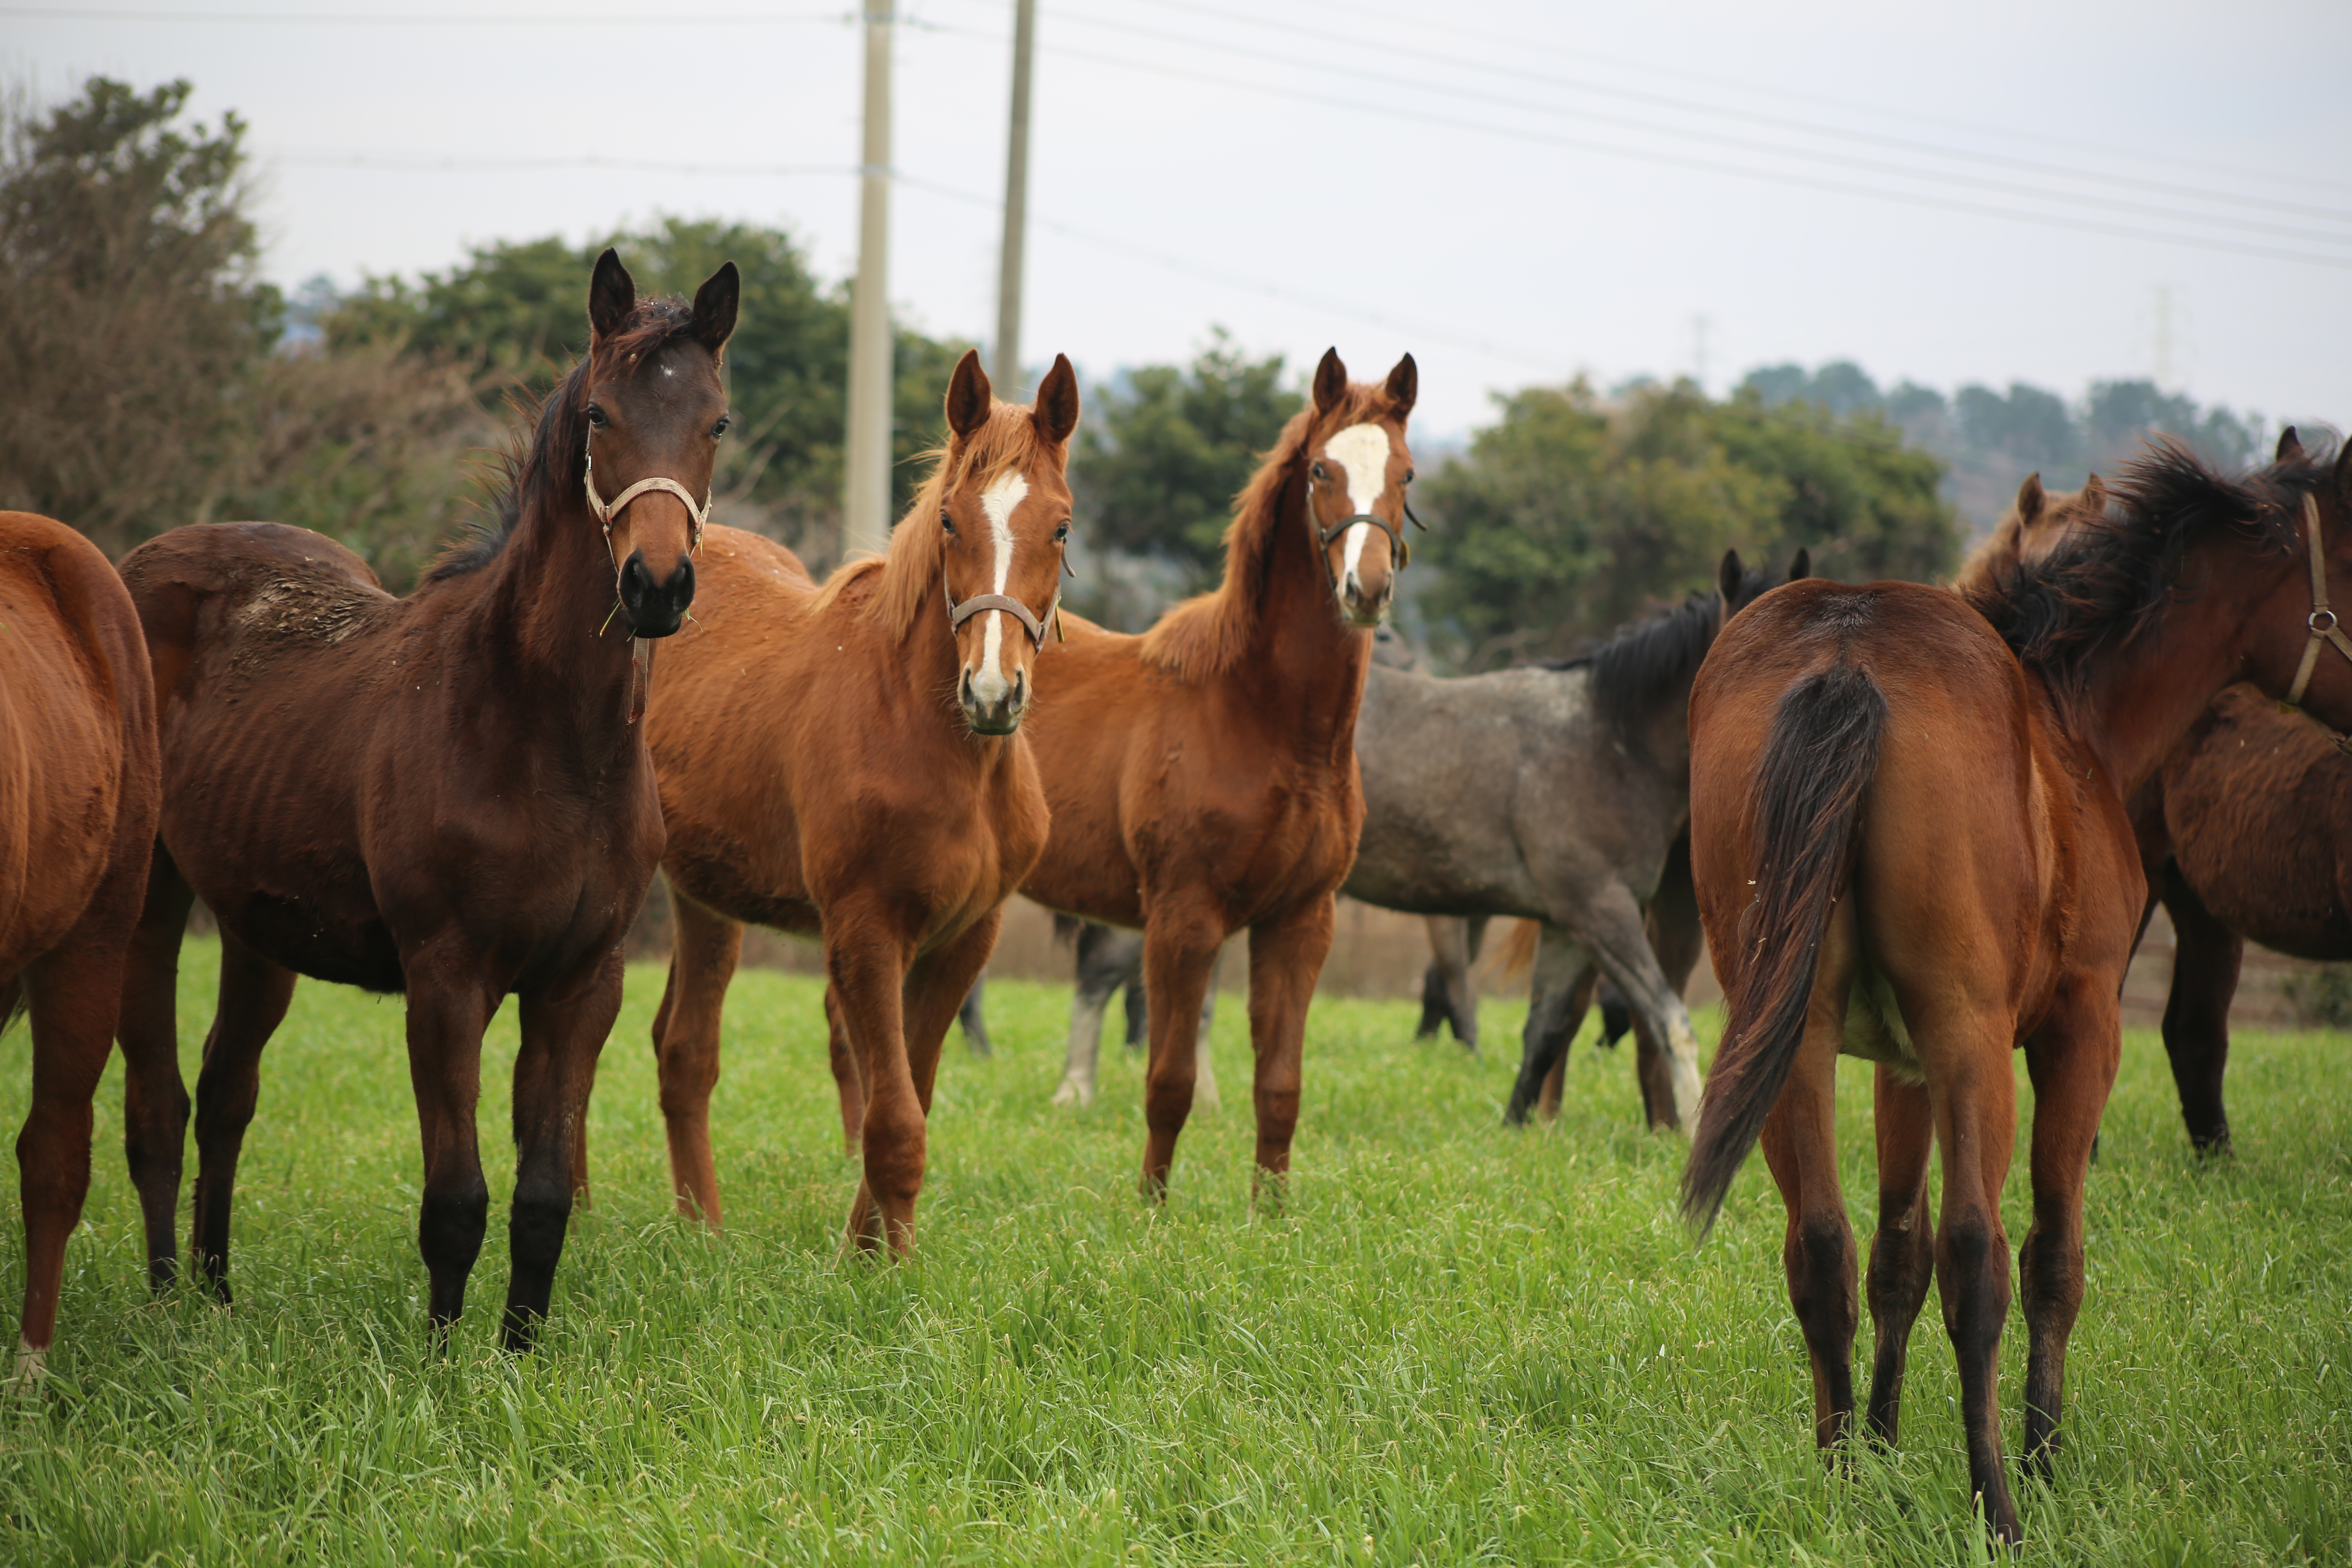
[[31, 1364], [998, 500]]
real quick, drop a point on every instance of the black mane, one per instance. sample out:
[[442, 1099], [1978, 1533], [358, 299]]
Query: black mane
[[550, 466], [2111, 582], [1642, 664]]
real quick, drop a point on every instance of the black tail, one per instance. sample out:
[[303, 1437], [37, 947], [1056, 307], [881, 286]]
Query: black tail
[[1817, 763]]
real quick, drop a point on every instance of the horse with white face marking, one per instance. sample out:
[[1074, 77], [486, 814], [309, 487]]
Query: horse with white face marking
[[1203, 776], [846, 761]]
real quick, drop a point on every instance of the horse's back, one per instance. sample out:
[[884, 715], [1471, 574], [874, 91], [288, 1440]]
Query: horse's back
[[77, 784], [270, 592]]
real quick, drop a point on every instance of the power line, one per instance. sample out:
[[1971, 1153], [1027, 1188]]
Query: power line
[[1682, 105], [1683, 161], [1719, 139], [439, 19]]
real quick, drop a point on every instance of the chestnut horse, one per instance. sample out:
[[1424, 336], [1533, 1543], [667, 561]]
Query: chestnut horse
[[77, 802], [1910, 842], [1203, 776], [447, 794], [846, 761]]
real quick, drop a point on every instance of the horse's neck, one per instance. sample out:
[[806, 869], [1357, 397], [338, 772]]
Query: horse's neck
[[551, 605], [1306, 667], [2141, 700]]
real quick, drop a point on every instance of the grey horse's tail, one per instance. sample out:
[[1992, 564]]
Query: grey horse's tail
[[1818, 763]]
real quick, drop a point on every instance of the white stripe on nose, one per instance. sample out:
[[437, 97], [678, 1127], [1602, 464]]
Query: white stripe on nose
[[999, 501], [1363, 453]]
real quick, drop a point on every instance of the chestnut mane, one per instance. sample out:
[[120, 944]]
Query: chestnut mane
[[905, 578], [1209, 634]]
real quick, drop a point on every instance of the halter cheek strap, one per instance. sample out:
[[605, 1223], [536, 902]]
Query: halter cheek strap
[[2322, 623]]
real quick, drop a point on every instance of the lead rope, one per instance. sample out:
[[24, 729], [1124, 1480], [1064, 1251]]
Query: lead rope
[[2323, 625]]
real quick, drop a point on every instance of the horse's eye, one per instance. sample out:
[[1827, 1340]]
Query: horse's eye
[[1408, 476], [1062, 534], [595, 417], [720, 428], [1319, 472], [946, 522]]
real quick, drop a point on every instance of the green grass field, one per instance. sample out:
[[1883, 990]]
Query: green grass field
[[1456, 1344]]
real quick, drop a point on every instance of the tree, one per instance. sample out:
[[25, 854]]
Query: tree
[[1163, 451], [1573, 513], [136, 321]]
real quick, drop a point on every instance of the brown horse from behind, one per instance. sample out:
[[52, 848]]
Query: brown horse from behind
[[845, 761], [447, 795], [1203, 776], [77, 802], [1910, 842]]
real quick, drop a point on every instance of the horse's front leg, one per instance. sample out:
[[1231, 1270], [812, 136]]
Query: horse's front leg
[[1558, 995], [2206, 958], [1612, 924], [1179, 955], [865, 961], [1286, 958], [564, 1031], [449, 1006]]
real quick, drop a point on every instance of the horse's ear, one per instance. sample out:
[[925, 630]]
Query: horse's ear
[[1056, 407], [2290, 447], [967, 396], [1331, 381], [612, 295], [1727, 579], [1403, 386], [2030, 500], [714, 306], [2093, 499], [1800, 564]]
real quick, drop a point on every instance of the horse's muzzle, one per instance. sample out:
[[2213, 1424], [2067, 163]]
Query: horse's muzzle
[[1364, 609], [655, 609], [999, 716]]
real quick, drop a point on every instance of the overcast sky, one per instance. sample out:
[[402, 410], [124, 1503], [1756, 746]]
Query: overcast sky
[[1515, 191]]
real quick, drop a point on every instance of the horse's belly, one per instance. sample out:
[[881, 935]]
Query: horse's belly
[[344, 945]]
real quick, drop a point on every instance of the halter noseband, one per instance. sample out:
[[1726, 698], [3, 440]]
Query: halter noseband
[[2322, 623], [1030, 623], [606, 510], [1400, 550]]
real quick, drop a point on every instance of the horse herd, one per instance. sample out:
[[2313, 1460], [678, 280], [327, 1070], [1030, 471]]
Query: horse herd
[[1911, 821]]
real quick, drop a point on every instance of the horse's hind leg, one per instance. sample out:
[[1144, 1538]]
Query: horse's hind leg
[[1556, 997], [975, 1025], [562, 1034], [254, 994], [2073, 1060], [1452, 948], [1903, 1253], [74, 994], [1103, 964], [155, 1098], [705, 948], [2206, 956], [848, 1075], [1614, 927]]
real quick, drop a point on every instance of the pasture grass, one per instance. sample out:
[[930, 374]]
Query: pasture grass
[[1456, 1344]]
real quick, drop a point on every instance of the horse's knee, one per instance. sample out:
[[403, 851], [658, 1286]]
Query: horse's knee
[[540, 1215], [688, 1074], [456, 1216]]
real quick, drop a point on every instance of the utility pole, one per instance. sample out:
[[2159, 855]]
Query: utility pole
[[866, 503], [2163, 334], [1007, 353]]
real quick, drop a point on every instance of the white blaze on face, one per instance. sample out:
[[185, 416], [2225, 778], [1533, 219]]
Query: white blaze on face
[[1363, 453], [998, 501]]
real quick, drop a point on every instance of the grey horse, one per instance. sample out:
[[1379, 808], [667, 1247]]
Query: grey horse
[[1554, 794]]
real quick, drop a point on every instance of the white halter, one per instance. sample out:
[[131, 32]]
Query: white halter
[[606, 510]]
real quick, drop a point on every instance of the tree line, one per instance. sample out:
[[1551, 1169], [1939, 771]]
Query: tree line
[[149, 376]]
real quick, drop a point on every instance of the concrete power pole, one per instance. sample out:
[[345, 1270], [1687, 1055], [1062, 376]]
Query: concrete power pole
[[1007, 354], [866, 503]]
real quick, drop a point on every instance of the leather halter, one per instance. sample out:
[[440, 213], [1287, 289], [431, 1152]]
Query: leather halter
[[1030, 623], [1400, 550], [2322, 623]]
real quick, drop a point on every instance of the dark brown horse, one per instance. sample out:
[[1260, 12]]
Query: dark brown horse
[[1203, 776], [845, 761], [77, 803], [447, 795], [1909, 838]]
